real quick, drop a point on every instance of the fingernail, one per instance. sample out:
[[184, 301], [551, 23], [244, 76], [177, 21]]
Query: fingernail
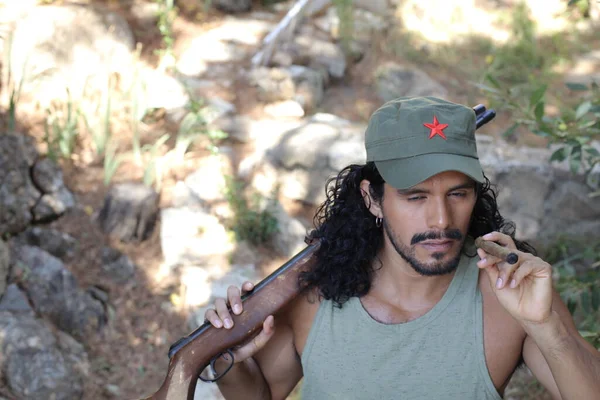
[[218, 324], [487, 236], [498, 285], [228, 323], [237, 309], [484, 260], [513, 283]]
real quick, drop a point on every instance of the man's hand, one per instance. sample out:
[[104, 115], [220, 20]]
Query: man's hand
[[220, 317], [524, 289]]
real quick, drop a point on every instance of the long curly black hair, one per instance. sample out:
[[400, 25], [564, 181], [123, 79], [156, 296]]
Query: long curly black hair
[[350, 239]]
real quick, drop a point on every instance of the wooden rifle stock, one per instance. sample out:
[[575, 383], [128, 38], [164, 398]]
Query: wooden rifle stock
[[192, 354]]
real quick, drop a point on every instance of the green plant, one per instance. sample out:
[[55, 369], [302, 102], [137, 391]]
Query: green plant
[[573, 130], [152, 173], [576, 264], [345, 12], [61, 129], [166, 16], [519, 59], [193, 126], [112, 161], [252, 220]]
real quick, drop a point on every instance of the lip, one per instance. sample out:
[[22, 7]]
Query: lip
[[437, 245]]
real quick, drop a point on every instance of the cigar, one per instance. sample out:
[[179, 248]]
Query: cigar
[[496, 250]]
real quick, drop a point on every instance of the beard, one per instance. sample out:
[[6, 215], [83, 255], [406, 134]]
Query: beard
[[408, 253]]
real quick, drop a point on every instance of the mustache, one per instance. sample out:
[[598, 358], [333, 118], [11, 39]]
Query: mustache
[[436, 235]]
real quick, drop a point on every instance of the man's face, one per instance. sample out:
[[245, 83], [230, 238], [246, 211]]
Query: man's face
[[427, 224]]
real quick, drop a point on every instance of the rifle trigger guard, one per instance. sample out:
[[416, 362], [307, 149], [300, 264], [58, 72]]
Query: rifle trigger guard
[[214, 371]]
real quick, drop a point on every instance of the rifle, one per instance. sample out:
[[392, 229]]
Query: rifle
[[191, 355]]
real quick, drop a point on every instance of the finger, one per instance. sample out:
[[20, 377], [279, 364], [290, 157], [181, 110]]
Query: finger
[[492, 274], [235, 299], [506, 271], [500, 238], [486, 259], [223, 313], [258, 342], [531, 268], [211, 316], [247, 287]]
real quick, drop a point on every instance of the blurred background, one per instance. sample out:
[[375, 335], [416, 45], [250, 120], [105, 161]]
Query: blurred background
[[154, 152]]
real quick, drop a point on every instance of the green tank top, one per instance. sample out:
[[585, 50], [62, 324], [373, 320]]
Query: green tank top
[[440, 355]]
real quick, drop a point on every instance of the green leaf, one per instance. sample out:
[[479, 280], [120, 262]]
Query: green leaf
[[576, 86], [537, 95], [559, 155], [592, 151], [511, 130], [596, 298], [493, 81], [539, 110], [583, 109]]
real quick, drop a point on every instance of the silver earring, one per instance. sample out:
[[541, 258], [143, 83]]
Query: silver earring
[[378, 222]]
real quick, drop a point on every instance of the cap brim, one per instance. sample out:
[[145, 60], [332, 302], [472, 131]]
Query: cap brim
[[407, 172]]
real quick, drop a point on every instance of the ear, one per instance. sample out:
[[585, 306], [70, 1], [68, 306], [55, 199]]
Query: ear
[[373, 206]]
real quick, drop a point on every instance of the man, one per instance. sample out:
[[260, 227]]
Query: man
[[400, 304]]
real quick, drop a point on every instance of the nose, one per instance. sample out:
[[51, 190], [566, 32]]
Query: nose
[[438, 214]]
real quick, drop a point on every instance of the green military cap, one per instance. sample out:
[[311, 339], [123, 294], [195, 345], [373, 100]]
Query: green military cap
[[413, 138]]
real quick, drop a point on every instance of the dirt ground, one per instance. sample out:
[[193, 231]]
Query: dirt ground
[[131, 352]]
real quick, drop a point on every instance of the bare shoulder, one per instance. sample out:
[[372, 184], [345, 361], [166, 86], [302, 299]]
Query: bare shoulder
[[300, 316]]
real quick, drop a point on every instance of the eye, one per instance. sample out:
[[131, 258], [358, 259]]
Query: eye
[[458, 194], [415, 198]]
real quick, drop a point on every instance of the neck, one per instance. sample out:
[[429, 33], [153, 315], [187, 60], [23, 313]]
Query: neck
[[397, 283]]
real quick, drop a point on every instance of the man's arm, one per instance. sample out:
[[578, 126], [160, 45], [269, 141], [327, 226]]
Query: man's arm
[[272, 373], [267, 367], [560, 358]]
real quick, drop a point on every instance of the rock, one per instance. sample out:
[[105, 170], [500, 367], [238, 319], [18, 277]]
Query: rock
[[18, 195], [57, 243], [393, 81], [73, 46], [273, 84], [162, 91], [290, 238], [52, 206], [15, 301], [117, 265], [222, 44], [310, 86], [208, 183], [54, 293], [192, 237], [572, 211], [4, 265], [313, 52], [47, 176], [36, 365], [237, 128], [129, 212], [233, 6], [56, 199], [285, 109]]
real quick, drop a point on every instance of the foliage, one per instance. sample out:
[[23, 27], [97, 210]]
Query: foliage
[[194, 125], [252, 220], [166, 16], [520, 57], [61, 129], [573, 130], [576, 266], [152, 173], [345, 12], [112, 161]]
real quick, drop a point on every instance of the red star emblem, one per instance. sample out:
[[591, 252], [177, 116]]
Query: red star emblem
[[436, 128]]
